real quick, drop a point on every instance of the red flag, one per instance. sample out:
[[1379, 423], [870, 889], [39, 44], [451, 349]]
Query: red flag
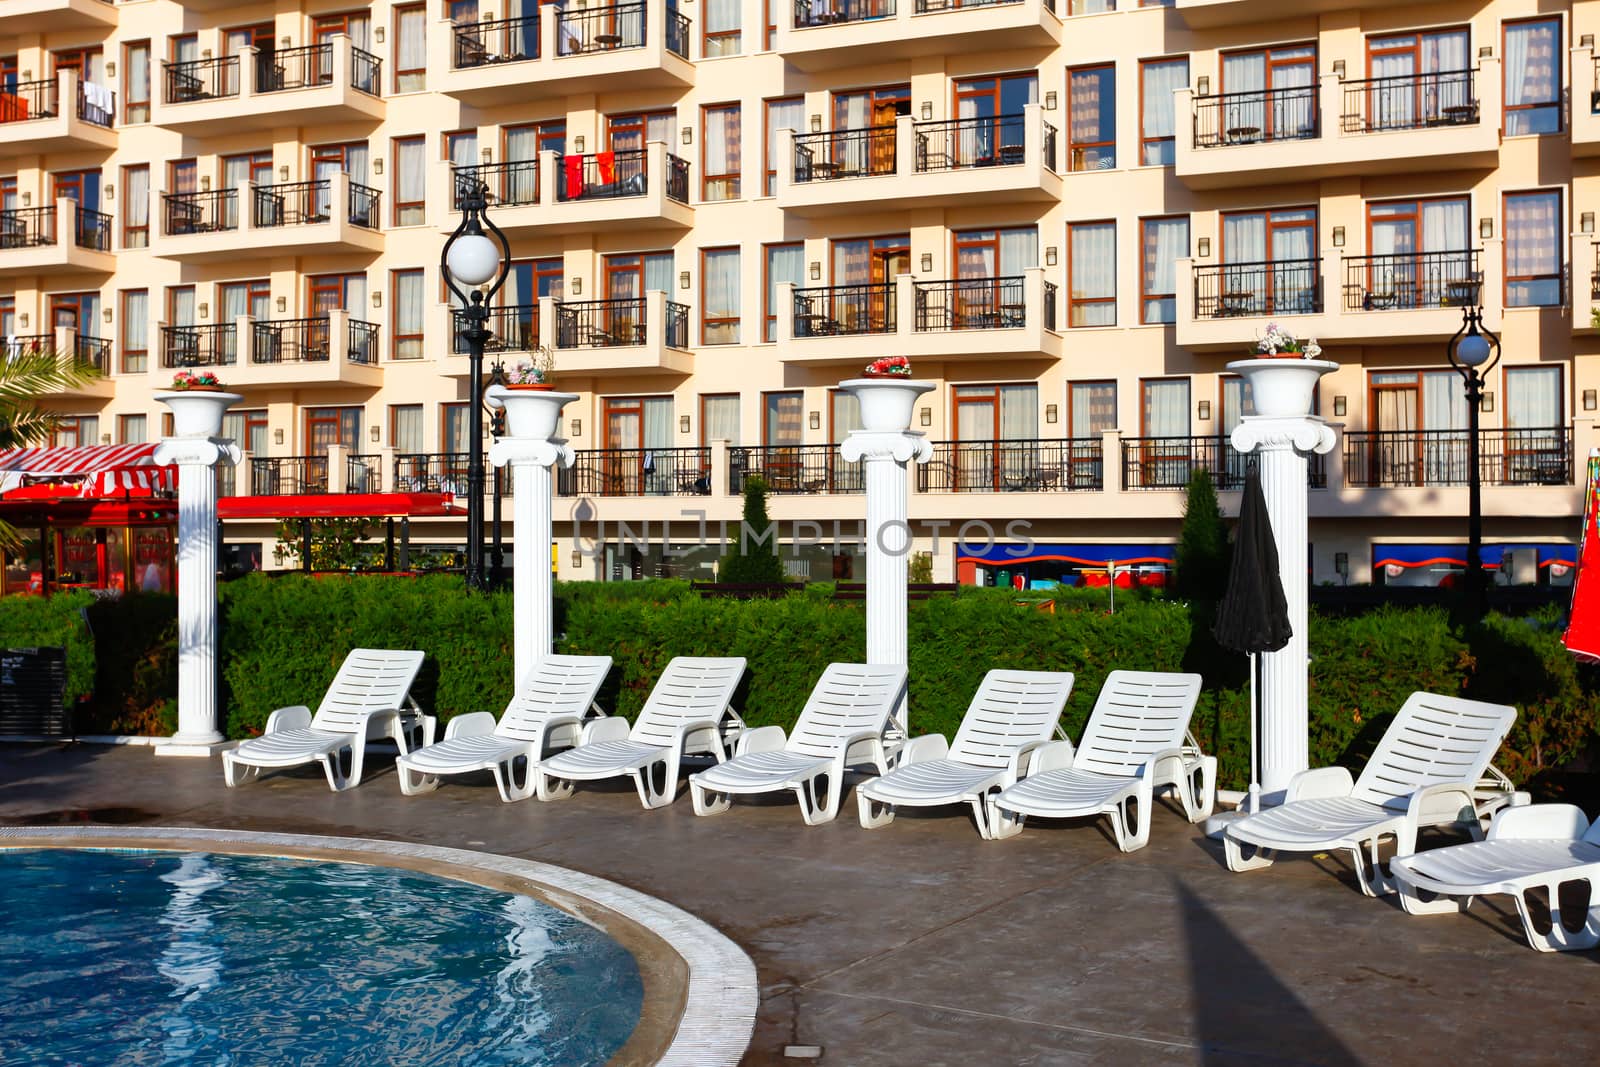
[[574, 166], [608, 166]]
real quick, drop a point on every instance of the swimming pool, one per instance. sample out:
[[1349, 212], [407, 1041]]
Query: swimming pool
[[196, 957]]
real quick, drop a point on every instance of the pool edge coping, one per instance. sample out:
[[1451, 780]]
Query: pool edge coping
[[720, 996]]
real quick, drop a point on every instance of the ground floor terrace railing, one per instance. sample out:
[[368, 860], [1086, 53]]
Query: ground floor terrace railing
[[1399, 458], [288, 475], [1168, 463], [1033, 465], [791, 469], [1243, 290], [443, 472], [213, 345], [1412, 280], [844, 310], [638, 472]]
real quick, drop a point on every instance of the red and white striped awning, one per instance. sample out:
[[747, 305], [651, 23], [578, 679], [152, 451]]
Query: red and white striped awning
[[101, 470]]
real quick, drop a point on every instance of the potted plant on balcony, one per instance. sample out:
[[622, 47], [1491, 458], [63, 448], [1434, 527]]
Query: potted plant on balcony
[[535, 373], [1283, 372]]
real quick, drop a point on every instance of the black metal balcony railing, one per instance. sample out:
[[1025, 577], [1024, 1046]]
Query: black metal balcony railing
[[1037, 466], [923, 7], [1398, 458], [843, 310], [791, 469], [18, 346], [92, 352], [93, 230], [810, 13], [24, 101], [1594, 275], [94, 113], [214, 211], [637, 472], [602, 175], [200, 79], [616, 324], [479, 44], [1242, 290], [307, 203], [294, 68], [288, 475], [677, 179], [292, 341], [1168, 462], [361, 342], [512, 328], [678, 34], [996, 140], [215, 345], [366, 72], [28, 227], [363, 473], [1049, 145], [844, 154], [677, 325], [441, 472], [1410, 102], [1050, 306], [509, 184], [1412, 280], [599, 29], [970, 304], [1256, 117]]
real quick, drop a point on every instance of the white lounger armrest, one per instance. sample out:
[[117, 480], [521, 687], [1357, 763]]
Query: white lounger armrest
[[872, 741], [296, 717], [760, 739], [924, 749], [472, 724], [1051, 756], [1152, 766], [1550, 822], [686, 732], [611, 728], [1319, 783], [1442, 802], [1022, 760]]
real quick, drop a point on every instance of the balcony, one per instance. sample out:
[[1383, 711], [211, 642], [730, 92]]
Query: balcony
[[1401, 125], [1210, 14], [1415, 296], [794, 470], [1439, 458], [330, 82], [330, 350], [33, 242], [645, 188], [57, 114], [1168, 462], [1584, 120], [558, 53], [820, 35], [637, 472], [1032, 466], [332, 215], [1585, 311], [961, 162], [980, 319], [21, 17], [211, 345], [590, 338], [288, 475], [70, 348]]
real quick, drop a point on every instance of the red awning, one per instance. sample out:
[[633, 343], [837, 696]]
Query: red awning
[[336, 506], [96, 470]]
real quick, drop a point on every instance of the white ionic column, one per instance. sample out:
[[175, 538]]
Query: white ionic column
[[196, 456]]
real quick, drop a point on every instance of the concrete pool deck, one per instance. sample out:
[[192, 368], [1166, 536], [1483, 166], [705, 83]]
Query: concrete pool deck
[[921, 944]]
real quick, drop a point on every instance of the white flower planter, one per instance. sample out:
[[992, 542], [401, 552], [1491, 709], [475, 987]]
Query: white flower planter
[[530, 413], [886, 403], [197, 412], [1282, 388]]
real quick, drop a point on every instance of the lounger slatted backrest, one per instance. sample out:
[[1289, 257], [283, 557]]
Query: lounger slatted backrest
[[849, 699], [692, 687], [1433, 739], [1010, 709], [1137, 714], [370, 679], [557, 686]]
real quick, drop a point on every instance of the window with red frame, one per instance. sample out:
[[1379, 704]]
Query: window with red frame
[[1092, 118]]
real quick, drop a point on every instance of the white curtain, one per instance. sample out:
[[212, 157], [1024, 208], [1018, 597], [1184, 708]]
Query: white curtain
[[135, 321], [658, 271], [138, 80], [1444, 225], [781, 115], [719, 419], [1533, 397], [1161, 77], [722, 17], [1094, 408], [1019, 412], [409, 299], [722, 151], [1165, 242], [464, 147], [785, 263], [522, 146], [186, 50], [1019, 250], [721, 284], [1444, 51], [412, 52], [235, 302], [136, 196], [1094, 274], [854, 111], [1444, 401], [1521, 83], [659, 127], [405, 428], [411, 167], [181, 301], [846, 413], [657, 422], [1244, 238], [1244, 74], [135, 429], [1166, 408], [1392, 104]]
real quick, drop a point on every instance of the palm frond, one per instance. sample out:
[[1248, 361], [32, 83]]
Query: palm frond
[[20, 429], [24, 378]]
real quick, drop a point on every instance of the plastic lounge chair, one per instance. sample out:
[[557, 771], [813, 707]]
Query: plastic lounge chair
[[683, 716], [1424, 773], [842, 723], [368, 698], [547, 713], [1137, 740], [1011, 716], [1543, 846]]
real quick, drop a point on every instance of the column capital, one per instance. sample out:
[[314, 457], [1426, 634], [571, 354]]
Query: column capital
[[197, 451], [907, 446], [516, 451], [1263, 433]]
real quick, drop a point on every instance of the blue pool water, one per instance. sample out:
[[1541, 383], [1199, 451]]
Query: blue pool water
[[167, 958]]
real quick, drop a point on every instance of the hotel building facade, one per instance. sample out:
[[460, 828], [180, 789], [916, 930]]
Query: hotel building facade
[[1069, 214]]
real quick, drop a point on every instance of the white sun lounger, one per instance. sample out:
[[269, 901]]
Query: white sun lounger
[[1137, 740], [546, 714], [1424, 773], [683, 716], [368, 698], [1543, 846], [842, 723], [1012, 714]]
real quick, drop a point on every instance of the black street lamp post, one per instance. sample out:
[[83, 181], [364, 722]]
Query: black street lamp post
[[472, 259], [1473, 351]]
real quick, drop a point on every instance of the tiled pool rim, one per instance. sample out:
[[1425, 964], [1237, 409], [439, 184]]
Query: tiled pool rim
[[700, 988]]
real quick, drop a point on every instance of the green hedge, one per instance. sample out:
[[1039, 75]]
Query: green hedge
[[284, 637]]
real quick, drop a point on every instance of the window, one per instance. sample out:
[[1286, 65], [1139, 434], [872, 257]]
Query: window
[[1158, 123], [237, 299], [635, 422], [410, 183], [405, 428], [722, 28], [1533, 249], [1533, 398], [75, 430], [8, 316], [1533, 76], [844, 418], [461, 147], [781, 415], [1269, 265], [136, 206], [132, 429], [988, 293], [136, 82], [719, 418], [182, 176], [180, 305], [332, 426], [1166, 407], [1165, 242], [1418, 79], [1092, 118], [1092, 274], [454, 426], [1421, 256], [135, 325], [336, 292], [1267, 95], [719, 283], [411, 57], [991, 114], [408, 312], [875, 111], [719, 141], [784, 263], [785, 114], [1092, 409], [985, 416]]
